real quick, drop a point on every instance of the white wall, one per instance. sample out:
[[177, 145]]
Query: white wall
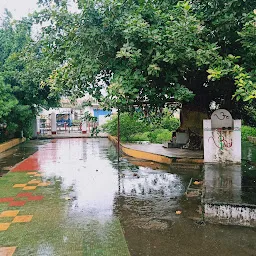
[[103, 119]]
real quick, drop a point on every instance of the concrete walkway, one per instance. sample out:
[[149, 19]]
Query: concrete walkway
[[169, 152]]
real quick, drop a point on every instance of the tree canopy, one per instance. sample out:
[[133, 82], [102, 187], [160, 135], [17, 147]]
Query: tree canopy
[[153, 51], [21, 71]]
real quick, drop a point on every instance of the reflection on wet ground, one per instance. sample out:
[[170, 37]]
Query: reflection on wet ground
[[17, 154], [249, 152], [88, 204], [230, 194], [230, 183]]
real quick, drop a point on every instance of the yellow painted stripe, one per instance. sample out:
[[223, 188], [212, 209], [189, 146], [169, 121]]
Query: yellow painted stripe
[[141, 154], [9, 144]]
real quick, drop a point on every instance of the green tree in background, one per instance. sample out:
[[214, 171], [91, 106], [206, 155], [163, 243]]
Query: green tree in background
[[7, 100], [21, 70]]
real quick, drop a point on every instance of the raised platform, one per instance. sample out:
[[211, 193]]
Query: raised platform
[[159, 154]]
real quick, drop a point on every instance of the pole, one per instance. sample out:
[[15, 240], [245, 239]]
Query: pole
[[118, 134]]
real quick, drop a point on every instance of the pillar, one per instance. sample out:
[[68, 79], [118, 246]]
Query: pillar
[[37, 125], [84, 127], [53, 123]]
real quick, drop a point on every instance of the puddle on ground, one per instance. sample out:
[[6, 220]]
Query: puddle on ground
[[18, 153]]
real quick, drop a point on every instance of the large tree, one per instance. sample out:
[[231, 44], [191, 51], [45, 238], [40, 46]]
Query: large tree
[[150, 51]]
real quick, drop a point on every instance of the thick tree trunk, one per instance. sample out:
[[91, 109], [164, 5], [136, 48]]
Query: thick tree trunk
[[191, 118]]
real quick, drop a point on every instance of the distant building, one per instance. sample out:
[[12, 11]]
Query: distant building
[[71, 114]]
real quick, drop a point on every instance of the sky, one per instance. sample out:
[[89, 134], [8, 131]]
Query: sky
[[18, 8]]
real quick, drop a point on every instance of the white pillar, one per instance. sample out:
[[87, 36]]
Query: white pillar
[[237, 149], [37, 125], [222, 145], [207, 134], [84, 127], [72, 114], [53, 123]]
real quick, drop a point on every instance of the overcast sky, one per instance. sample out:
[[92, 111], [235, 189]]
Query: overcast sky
[[18, 8]]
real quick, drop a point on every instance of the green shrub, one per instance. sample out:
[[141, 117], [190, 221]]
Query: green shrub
[[156, 136], [129, 125], [164, 136], [248, 131], [134, 129], [141, 136], [170, 123], [160, 135]]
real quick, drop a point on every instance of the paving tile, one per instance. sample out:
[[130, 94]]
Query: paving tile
[[13, 213], [29, 188], [25, 194], [4, 226], [35, 198], [38, 175], [7, 251], [31, 173], [6, 199], [44, 184], [22, 218], [34, 182], [19, 185], [17, 203]]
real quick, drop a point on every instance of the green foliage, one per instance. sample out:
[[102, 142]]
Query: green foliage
[[160, 136], [158, 118], [232, 27], [155, 136], [141, 136], [133, 128], [129, 125], [141, 50], [248, 114], [93, 120], [170, 123], [21, 71], [88, 117], [248, 131], [7, 100], [153, 51]]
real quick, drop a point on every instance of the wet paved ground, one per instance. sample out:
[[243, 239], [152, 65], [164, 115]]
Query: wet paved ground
[[170, 152], [66, 134], [71, 197]]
